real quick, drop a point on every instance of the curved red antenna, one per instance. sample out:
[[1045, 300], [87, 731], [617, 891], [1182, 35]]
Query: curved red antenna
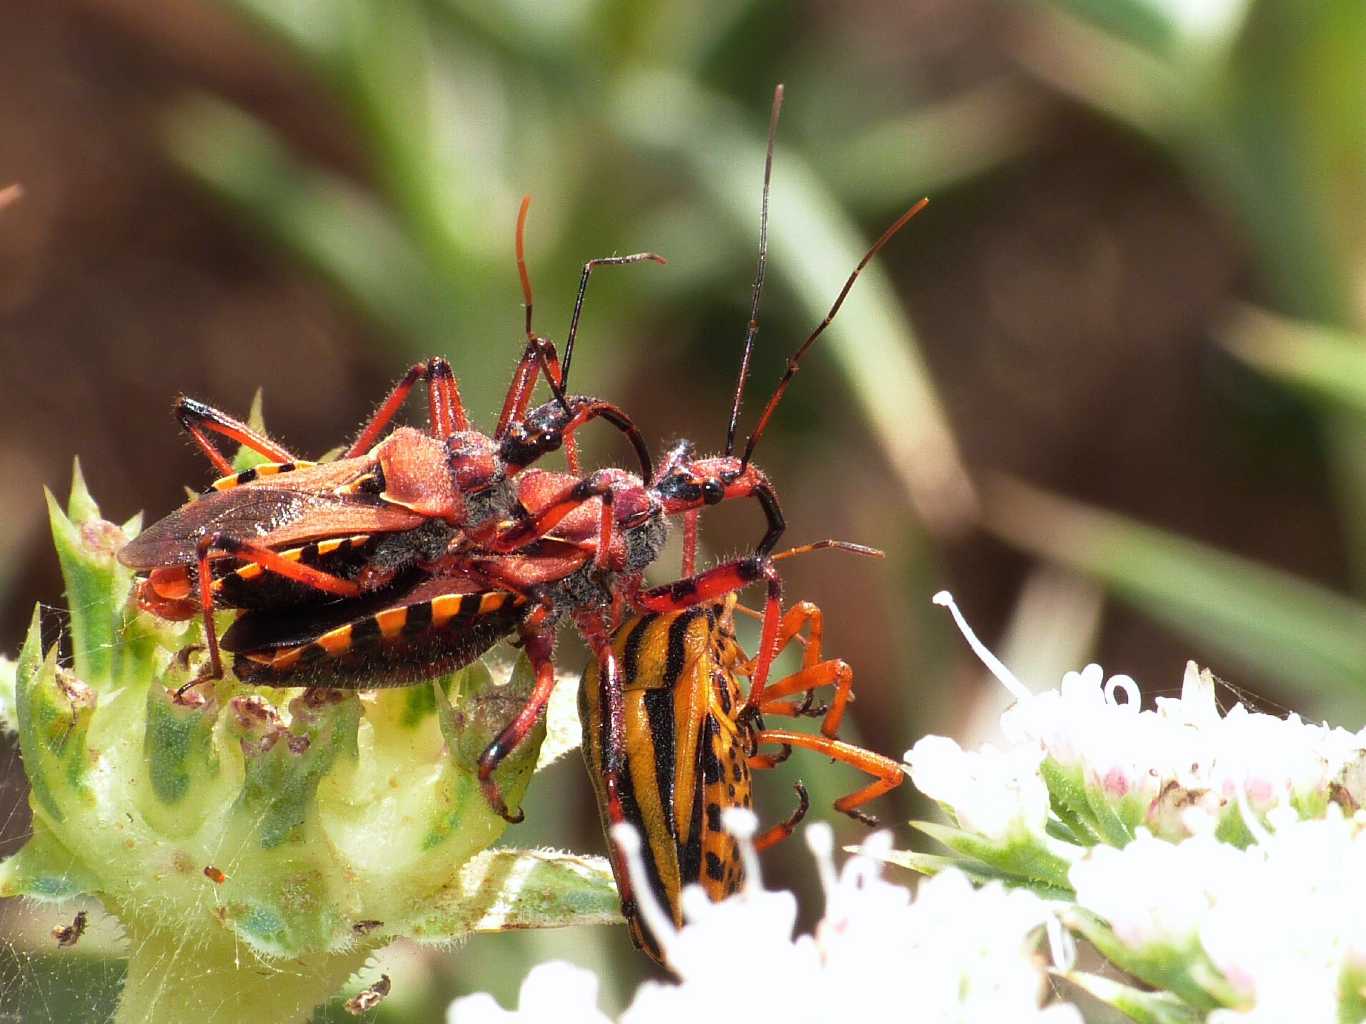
[[521, 259]]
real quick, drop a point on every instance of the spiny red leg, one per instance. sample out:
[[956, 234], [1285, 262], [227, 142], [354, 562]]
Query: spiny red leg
[[690, 521], [271, 561], [887, 774], [441, 383], [199, 420], [268, 560], [386, 412], [775, 835], [538, 644]]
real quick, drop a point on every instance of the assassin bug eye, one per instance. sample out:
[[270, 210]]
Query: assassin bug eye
[[712, 492]]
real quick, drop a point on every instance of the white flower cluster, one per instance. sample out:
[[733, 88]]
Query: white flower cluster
[[951, 954], [1106, 767], [1280, 922], [1218, 857]]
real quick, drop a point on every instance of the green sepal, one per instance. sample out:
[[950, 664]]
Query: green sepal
[[285, 764], [182, 759], [97, 586], [54, 712], [248, 458], [1185, 971], [1068, 800], [44, 869], [501, 889], [1021, 856], [1138, 1005]]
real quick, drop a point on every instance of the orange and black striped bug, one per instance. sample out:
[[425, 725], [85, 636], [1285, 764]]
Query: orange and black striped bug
[[290, 532], [671, 744]]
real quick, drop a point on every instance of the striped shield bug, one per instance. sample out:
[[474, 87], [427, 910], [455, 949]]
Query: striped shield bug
[[672, 742]]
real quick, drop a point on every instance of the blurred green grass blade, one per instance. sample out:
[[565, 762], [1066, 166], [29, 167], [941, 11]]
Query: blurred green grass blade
[[936, 147], [310, 26], [1261, 617], [329, 223], [1326, 362], [813, 247]]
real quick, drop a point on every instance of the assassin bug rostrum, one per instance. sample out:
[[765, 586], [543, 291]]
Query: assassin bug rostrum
[[672, 744]]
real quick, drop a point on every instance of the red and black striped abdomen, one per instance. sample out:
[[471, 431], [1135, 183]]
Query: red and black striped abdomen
[[390, 638]]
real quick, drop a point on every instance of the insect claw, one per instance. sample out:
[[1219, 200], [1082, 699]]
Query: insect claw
[[862, 817]]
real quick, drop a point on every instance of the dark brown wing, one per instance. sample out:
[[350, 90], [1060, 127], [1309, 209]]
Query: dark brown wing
[[288, 509]]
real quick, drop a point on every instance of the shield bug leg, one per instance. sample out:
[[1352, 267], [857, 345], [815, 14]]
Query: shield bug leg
[[773, 836], [200, 420], [887, 774]]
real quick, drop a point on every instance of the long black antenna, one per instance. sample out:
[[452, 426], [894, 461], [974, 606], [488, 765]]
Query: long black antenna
[[794, 361], [758, 275]]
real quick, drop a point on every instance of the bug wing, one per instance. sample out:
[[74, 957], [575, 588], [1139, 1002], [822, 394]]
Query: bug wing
[[291, 508]]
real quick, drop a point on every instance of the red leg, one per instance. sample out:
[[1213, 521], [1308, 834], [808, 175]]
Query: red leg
[[199, 420], [267, 559], [445, 412], [538, 643], [887, 774], [775, 835], [572, 497], [815, 671]]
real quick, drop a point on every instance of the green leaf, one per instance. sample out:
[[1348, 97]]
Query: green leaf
[[1021, 857], [332, 225], [932, 864], [1136, 1004], [1326, 362], [1268, 620], [44, 869], [503, 889]]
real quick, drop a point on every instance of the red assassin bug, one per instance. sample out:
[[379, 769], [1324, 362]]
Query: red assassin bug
[[579, 549], [689, 738], [303, 532]]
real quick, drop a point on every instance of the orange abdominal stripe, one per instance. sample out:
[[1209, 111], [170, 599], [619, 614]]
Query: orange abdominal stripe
[[452, 612], [227, 483]]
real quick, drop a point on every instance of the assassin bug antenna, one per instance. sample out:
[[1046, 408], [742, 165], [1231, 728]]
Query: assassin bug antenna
[[559, 381], [758, 290], [794, 361], [545, 350]]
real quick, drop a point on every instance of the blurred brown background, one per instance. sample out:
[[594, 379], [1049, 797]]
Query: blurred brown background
[[222, 197]]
